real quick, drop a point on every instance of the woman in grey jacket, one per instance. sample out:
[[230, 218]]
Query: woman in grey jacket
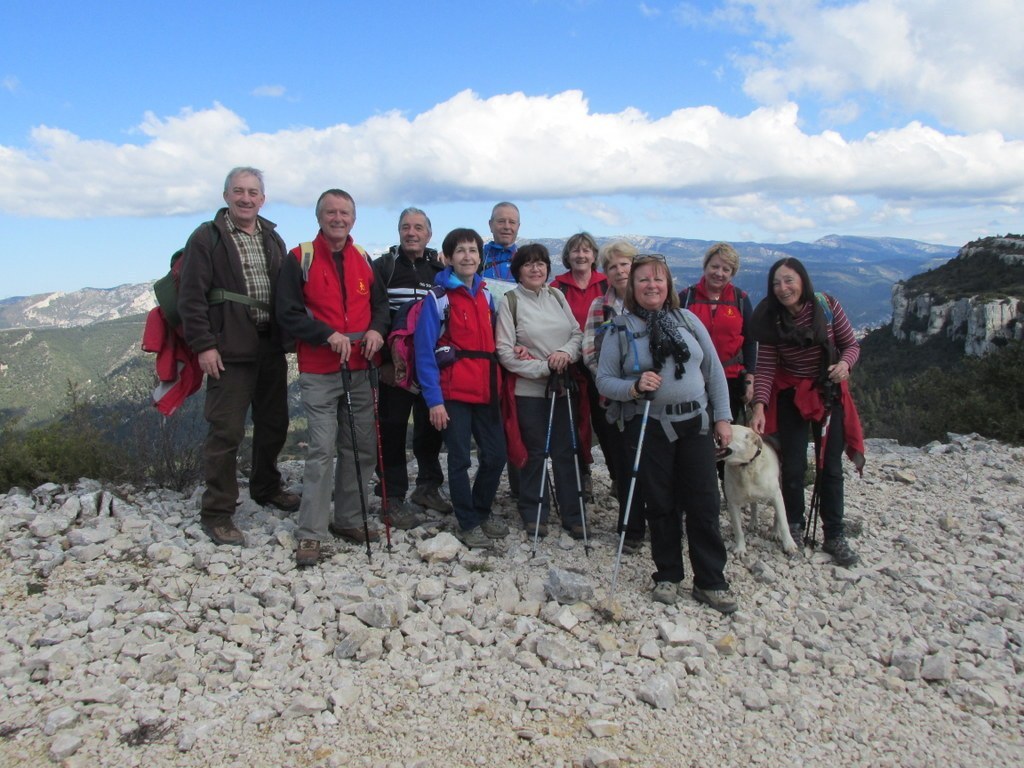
[[662, 353], [536, 337]]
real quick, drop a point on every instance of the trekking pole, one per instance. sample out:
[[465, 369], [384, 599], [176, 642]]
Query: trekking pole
[[375, 388], [570, 387], [346, 380], [544, 464], [629, 496], [819, 467]]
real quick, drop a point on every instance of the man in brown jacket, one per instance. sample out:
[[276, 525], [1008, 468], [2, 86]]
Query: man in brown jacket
[[226, 301]]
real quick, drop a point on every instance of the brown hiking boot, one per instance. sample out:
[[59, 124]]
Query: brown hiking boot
[[308, 553], [354, 535], [287, 502], [223, 532]]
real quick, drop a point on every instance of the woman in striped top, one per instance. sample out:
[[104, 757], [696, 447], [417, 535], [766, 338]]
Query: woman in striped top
[[807, 349]]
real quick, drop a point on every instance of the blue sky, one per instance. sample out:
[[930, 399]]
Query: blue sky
[[770, 120]]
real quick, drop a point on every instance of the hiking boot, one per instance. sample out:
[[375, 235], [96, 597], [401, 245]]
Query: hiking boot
[[354, 535], [665, 592], [223, 532], [475, 538], [531, 527], [403, 517], [431, 498], [631, 546], [841, 551], [287, 502], [719, 599], [494, 527], [576, 531], [308, 553]]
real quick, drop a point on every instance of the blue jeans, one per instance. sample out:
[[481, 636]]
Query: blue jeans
[[483, 423]]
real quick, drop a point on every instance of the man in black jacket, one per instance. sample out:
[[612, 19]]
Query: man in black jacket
[[408, 272], [226, 301]]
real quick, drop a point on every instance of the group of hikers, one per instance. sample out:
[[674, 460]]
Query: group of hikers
[[607, 349]]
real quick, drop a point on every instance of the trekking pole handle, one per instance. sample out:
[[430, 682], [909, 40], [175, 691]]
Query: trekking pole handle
[[346, 376], [374, 375], [646, 394], [552, 384]]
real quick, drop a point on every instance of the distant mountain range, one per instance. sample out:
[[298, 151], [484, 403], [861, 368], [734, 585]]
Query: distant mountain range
[[859, 270], [88, 340]]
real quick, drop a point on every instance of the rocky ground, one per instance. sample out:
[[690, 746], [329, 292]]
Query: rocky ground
[[127, 638]]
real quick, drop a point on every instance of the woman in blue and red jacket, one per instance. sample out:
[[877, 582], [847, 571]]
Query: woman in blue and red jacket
[[458, 374]]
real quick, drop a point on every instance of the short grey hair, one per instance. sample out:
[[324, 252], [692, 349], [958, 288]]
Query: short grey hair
[[243, 170], [411, 210], [333, 193], [504, 204]]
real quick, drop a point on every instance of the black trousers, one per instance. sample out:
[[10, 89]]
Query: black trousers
[[396, 405], [678, 477], [793, 431], [263, 386]]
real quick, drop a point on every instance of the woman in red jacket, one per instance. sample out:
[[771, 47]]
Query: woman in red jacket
[[581, 285], [725, 311]]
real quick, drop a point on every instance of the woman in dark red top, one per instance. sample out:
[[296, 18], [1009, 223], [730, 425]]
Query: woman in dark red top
[[581, 285]]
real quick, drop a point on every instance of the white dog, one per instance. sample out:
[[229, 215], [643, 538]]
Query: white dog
[[752, 474]]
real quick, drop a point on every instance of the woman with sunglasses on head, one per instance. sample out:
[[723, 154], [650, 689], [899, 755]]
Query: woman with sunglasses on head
[[661, 353], [806, 350], [616, 260]]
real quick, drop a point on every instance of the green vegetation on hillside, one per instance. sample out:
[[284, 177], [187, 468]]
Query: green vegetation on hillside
[[983, 274], [916, 394]]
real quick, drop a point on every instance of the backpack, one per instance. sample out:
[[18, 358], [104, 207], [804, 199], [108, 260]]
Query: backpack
[[306, 250], [166, 288], [686, 298], [620, 323], [401, 338]]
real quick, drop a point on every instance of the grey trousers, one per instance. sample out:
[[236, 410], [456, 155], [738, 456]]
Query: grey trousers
[[330, 435]]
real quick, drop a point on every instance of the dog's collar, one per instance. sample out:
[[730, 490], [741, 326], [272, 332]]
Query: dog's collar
[[752, 458]]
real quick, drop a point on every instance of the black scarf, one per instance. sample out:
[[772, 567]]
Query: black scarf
[[772, 324], [665, 340]]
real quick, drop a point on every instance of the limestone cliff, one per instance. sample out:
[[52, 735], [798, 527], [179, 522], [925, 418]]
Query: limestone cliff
[[975, 298]]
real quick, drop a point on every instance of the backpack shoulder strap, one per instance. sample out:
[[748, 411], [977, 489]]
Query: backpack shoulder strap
[[686, 295], [683, 317], [387, 262], [825, 302], [513, 303], [306, 250]]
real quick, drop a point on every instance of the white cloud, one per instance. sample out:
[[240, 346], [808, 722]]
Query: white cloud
[[959, 60], [649, 11], [269, 91], [598, 211], [542, 147], [10, 83]]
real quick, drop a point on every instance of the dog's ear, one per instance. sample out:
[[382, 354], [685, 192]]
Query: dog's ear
[[772, 441]]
